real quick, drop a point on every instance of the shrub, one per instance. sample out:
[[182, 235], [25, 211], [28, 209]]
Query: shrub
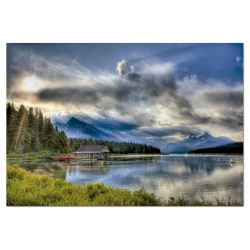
[[27, 189]]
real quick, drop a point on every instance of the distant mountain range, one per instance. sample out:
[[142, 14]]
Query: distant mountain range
[[194, 142], [77, 129]]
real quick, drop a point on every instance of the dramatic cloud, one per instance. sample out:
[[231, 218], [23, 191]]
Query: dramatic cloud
[[147, 100], [170, 131], [225, 97], [72, 95], [137, 100], [124, 68]]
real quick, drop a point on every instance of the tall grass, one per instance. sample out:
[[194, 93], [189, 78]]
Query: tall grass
[[27, 189]]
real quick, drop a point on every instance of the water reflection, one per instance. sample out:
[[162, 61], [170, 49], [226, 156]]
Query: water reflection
[[40, 167], [175, 175]]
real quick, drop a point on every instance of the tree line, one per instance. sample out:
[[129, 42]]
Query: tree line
[[115, 147], [232, 148], [28, 131]]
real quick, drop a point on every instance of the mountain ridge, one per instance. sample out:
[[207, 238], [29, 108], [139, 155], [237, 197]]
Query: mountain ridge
[[193, 142], [75, 128]]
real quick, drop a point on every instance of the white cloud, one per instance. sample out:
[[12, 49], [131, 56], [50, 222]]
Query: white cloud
[[154, 100], [124, 68]]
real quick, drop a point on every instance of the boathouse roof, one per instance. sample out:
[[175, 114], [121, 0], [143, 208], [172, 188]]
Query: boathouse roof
[[92, 149]]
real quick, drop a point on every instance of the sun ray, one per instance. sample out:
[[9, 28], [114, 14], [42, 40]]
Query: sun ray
[[18, 133]]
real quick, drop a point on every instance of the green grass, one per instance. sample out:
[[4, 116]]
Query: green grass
[[27, 189], [33, 156]]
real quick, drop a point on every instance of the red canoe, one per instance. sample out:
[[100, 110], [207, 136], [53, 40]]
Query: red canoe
[[62, 158]]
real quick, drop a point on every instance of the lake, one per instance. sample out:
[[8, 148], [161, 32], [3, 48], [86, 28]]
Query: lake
[[169, 176]]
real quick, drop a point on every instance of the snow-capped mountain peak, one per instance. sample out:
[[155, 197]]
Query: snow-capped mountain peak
[[192, 136], [193, 142]]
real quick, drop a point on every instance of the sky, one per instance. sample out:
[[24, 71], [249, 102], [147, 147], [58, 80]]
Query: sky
[[150, 93]]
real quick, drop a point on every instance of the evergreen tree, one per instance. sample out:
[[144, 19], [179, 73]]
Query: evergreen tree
[[40, 128], [11, 126], [27, 131], [62, 143], [50, 135], [115, 147]]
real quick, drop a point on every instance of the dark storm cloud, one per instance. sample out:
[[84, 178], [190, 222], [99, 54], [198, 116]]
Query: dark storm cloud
[[172, 131], [91, 93], [182, 107], [232, 122], [159, 86], [155, 86], [133, 77], [201, 119], [227, 97], [144, 88], [232, 118], [124, 95], [72, 95]]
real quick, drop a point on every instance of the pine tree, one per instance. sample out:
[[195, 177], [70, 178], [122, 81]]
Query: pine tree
[[50, 135], [62, 143], [32, 143], [11, 126], [40, 129]]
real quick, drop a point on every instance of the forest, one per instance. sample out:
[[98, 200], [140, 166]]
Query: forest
[[115, 147], [29, 131], [232, 148]]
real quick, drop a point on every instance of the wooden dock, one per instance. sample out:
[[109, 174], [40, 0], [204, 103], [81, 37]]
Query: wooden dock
[[120, 158], [128, 159]]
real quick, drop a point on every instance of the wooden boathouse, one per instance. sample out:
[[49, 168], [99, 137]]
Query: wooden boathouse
[[92, 152]]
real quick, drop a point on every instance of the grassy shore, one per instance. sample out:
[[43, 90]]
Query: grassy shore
[[43, 155], [27, 189]]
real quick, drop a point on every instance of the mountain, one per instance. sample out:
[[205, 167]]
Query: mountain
[[193, 142], [77, 129]]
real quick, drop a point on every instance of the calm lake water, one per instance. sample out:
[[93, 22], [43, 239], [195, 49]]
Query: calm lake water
[[169, 176]]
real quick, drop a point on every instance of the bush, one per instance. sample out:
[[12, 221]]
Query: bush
[[27, 189]]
